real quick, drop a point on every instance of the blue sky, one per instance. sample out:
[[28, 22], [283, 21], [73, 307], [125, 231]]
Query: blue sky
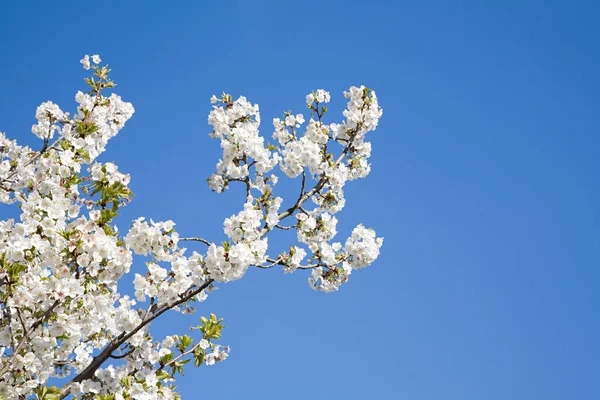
[[484, 181]]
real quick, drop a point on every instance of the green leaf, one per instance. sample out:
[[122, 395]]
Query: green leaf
[[161, 375], [198, 356], [184, 342], [15, 269], [165, 359]]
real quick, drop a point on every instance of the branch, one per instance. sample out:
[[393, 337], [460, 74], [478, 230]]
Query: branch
[[285, 228], [279, 261], [122, 355], [195, 239], [179, 357], [97, 362]]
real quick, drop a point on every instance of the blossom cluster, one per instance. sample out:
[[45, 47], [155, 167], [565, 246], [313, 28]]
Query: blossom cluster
[[64, 316], [236, 123]]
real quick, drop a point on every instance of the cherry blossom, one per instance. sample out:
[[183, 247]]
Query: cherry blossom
[[67, 328]]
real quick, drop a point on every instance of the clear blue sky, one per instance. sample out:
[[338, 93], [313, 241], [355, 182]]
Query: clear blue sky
[[484, 184]]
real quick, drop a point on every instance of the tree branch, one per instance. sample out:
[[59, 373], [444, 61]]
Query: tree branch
[[195, 239], [97, 362]]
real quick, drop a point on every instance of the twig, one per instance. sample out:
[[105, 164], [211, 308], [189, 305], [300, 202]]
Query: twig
[[195, 239]]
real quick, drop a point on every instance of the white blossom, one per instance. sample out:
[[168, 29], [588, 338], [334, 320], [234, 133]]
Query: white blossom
[[63, 260], [85, 61]]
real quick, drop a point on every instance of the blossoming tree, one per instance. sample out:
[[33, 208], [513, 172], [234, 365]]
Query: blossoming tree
[[67, 331]]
